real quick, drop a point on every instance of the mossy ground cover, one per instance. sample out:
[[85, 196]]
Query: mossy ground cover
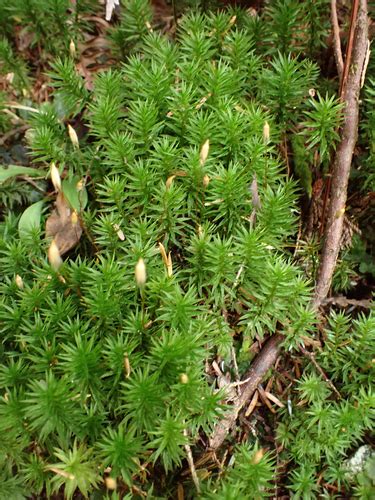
[[155, 238]]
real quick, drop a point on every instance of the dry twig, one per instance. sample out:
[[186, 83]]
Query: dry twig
[[190, 460], [343, 79], [311, 357], [342, 301], [18, 130], [263, 362], [351, 85], [336, 40]]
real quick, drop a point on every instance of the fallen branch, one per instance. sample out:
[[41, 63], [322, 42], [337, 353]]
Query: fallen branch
[[355, 66], [263, 362]]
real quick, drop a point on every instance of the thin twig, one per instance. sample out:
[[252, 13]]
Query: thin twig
[[190, 460], [238, 275], [349, 48], [11, 133], [174, 12], [236, 372], [32, 182], [311, 357], [239, 383], [15, 105], [336, 40], [351, 85]]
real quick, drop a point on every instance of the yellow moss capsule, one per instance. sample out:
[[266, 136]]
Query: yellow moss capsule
[[204, 152], [258, 455], [55, 177], [140, 272], [72, 49], [73, 136], [54, 256], [74, 218], [110, 483], [266, 132], [127, 366], [19, 282]]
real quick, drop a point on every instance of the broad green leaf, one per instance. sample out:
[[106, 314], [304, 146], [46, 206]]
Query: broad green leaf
[[77, 198], [14, 170], [30, 219]]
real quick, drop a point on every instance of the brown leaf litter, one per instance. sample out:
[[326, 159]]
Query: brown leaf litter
[[63, 225]]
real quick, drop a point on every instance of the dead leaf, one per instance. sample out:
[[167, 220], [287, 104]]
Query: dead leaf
[[25, 39], [252, 405], [264, 398], [274, 399], [63, 226], [88, 78]]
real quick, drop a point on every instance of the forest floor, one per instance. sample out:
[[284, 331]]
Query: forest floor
[[94, 56]]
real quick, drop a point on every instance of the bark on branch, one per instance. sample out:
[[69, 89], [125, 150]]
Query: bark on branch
[[263, 362], [344, 154]]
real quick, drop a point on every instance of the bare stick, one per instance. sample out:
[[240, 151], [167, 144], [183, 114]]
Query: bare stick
[[32, 182], [190, 460], [341, 168], [236, 372], [336, 40], [343, 80], [263, 362], [311, 357]]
